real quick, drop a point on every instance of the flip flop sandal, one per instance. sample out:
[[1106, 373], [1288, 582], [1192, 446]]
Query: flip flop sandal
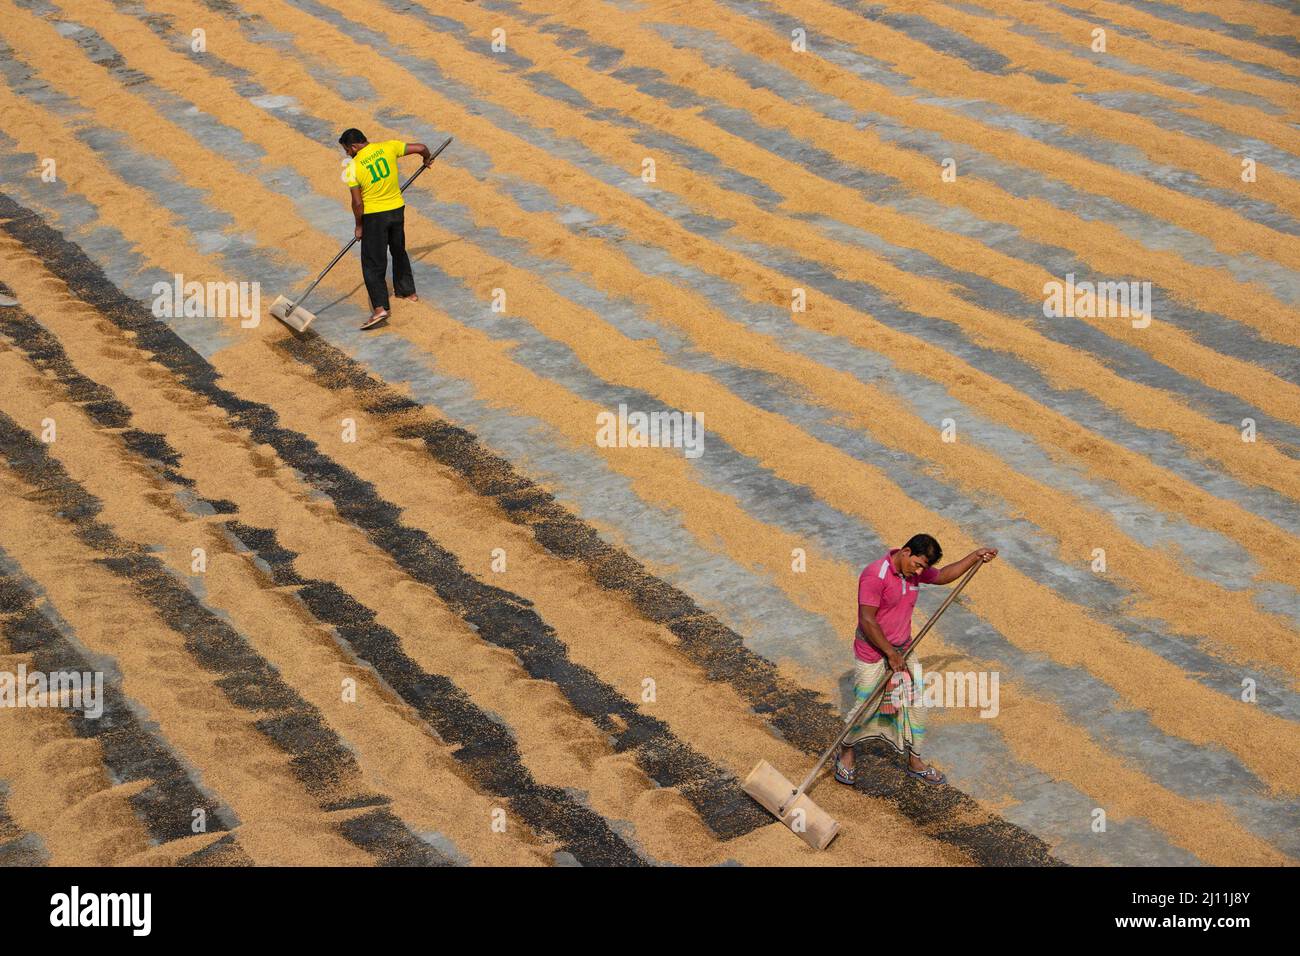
[[374, 320], [929, 775], [845, 775]]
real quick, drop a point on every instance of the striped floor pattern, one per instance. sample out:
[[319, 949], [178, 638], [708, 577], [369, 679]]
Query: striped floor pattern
[[386, 598]]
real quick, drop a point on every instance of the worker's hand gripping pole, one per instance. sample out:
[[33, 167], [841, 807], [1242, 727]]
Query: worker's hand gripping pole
[[871, 702], [344, 251]]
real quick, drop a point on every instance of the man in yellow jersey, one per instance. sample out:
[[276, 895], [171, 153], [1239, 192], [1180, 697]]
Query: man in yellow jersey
[[378, 208]]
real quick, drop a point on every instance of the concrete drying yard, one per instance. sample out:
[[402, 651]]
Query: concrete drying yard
[[364, 598]]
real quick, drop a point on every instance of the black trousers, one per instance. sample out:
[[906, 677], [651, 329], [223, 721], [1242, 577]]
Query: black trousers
[[383, 233]]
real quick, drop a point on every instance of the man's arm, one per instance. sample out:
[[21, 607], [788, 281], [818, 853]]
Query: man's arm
[[418, 149], [870, 629], [951, 572], [358, 210]]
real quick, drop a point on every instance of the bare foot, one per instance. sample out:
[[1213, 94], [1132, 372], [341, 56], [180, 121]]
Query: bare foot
[[409, 298]]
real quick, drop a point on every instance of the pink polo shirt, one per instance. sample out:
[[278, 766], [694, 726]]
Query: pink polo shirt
[[894, 597]]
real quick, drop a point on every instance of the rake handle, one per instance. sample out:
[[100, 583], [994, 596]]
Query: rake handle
[[344, 251], [879, 692]]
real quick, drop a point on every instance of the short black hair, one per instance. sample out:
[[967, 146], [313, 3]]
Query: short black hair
[[352, 136], [924, 546]]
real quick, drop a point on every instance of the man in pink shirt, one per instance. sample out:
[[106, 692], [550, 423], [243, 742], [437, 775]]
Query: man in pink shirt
[[887, 591]]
